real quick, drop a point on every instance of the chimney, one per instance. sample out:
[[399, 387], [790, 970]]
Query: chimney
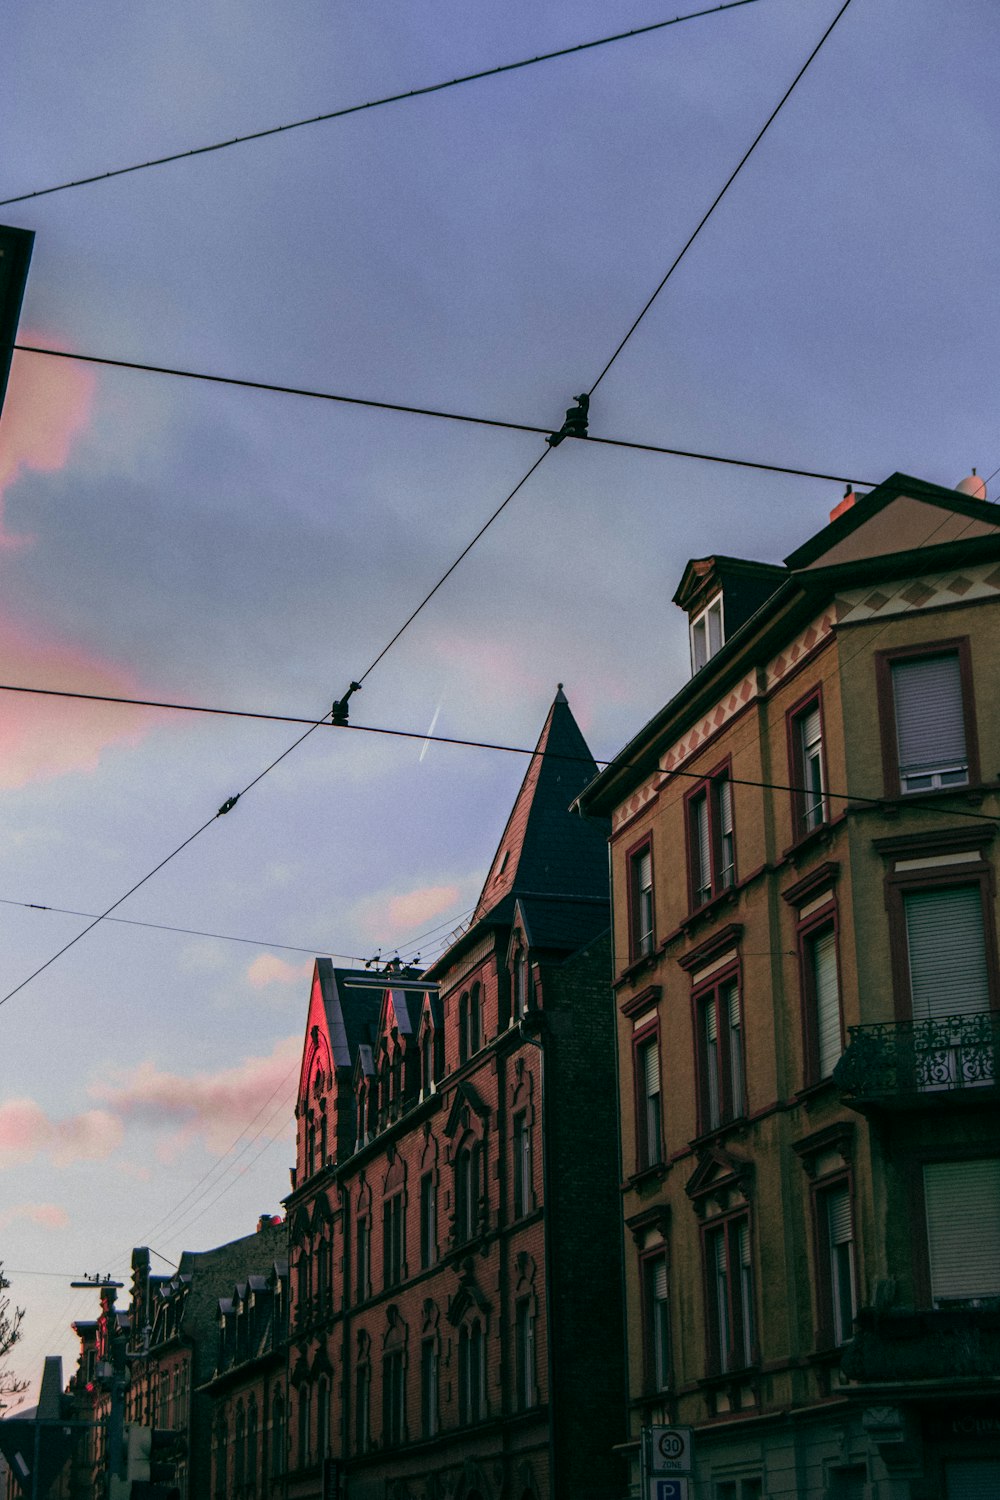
[[849, 499]]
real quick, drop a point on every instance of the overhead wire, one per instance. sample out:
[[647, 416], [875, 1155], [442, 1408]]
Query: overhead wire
[[341, 704], [353, 109], [728, 460]]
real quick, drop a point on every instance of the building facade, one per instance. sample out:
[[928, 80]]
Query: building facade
[[454, 1207], [806, 985]]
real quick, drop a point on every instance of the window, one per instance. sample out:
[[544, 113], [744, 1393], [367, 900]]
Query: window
[[821, 983], [706, 634], [656, 1322], [649, 1132], [252, 1445], [463, 1027], [475, 1018], [949, 986], [239, 1451], [521, 984], [471, 1374], [640, 902], [522, 1165], [393, 1248], [221, 1455], [962, 1203], [322, 1417], [929, 738], [362, 1407], [729, 1283], [278, 1435], [524, 1353], [740, 1489], [467, 1171], [808, 770], [427, 1062], [711, 839], [428, 1220], [428, 1387], [393, 1398], [363, 1259], [836, 1289], [722, 1095], [305, 1426]]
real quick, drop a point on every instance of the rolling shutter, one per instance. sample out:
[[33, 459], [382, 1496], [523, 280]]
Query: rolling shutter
[[947, 951], [827, 992], [930, 724], [962, 1200]]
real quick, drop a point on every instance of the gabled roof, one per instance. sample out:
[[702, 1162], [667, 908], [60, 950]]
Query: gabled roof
[[341, 1016], [902, 515]]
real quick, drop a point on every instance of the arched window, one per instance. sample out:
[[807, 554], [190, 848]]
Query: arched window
[[240, 1455], [305, 1425], [252, 1445], [221, 1454], [467, 1188], [520, 984], [463, 1028], [475, 1018], [279, 1437], [471, 1373], [322, 1418]]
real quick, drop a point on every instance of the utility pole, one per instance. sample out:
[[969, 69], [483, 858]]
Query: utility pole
[[111, 1374]]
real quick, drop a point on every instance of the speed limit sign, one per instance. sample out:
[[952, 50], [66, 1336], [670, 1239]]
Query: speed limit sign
[[670, 1450]]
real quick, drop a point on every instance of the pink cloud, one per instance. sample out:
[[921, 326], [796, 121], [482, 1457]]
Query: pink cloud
[[47, 1215], [44, 737], [49, 403], [423, 905], [387, 917], [213, 1105], [26, 1131], [267, 969]]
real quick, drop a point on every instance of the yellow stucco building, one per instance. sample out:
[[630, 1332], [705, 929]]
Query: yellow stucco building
[[807, 992]]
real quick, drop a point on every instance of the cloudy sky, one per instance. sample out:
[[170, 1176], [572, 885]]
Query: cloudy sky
[[481, 250]]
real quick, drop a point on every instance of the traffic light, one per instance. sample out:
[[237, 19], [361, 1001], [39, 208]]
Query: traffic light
[[153, 1456], [15, 254]]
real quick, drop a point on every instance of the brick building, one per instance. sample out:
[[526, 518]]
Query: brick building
[[806, 977], [164, 1350], [455, 1202]]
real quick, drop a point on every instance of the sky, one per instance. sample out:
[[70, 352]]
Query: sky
[[482, 249]]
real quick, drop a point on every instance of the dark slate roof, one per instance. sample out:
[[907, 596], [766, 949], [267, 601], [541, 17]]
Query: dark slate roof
[[566, 925], [352, 1014], [547, 852], [546, 849]]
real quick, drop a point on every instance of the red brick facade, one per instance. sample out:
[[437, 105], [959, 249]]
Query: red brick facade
[[455, 1193]]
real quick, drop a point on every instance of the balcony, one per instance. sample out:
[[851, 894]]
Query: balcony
[[909, 1064], [947, 1344]]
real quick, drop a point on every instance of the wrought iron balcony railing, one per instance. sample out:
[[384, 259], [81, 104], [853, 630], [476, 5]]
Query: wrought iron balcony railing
[[901, 1060]]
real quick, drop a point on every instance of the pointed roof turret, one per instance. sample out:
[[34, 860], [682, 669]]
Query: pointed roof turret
[[546, 850]]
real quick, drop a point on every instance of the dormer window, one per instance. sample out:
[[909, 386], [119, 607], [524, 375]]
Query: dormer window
[[706, 634]]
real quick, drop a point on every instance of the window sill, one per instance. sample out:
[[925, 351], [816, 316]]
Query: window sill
[[807, 843], [813, 1093], [737, 1126], [655, 1172], [637, 966], [711, 908]]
